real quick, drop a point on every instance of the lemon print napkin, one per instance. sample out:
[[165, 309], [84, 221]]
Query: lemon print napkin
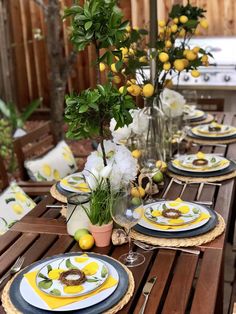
[[54, 302]]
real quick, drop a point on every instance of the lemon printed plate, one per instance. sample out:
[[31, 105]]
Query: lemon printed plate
[[215, 163], [47, 279], [203, 131], [74, 183], [195, 114], [198, 216]]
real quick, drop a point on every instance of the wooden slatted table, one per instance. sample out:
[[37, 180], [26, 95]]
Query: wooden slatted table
[[186, 283]]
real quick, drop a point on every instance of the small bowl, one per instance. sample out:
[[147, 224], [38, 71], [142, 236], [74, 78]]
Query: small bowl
[[171, 213], [200, 162]]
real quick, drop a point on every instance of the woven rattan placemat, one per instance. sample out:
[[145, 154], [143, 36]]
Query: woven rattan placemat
[[57, 195], [208, 119]]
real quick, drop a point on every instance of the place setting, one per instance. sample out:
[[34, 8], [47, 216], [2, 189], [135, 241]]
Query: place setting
[[195, 116], [70, 282]]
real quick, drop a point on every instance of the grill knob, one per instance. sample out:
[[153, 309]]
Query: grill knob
[[227, 78], [186, 78], [206, 77]]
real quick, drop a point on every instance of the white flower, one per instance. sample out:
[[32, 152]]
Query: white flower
[[121, 166], [92, 178], [172, 103], [121, 134]]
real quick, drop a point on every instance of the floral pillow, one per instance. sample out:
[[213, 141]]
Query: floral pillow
[[55, 165], [14, 204]]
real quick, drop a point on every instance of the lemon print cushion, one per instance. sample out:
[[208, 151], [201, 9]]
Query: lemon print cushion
[[14, 204], [55, 165]]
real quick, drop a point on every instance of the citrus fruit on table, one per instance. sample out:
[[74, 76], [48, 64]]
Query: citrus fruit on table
[[79, 233], [136, 153], [158, 177], [86, 242], [138, 192], [136, 201]]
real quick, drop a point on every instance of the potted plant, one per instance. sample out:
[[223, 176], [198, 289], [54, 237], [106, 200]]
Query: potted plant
[[100, 23]]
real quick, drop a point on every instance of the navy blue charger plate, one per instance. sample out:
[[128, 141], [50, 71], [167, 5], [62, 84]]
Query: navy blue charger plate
[[230, 168], [24, 307], [62, 191], [211, 138], [198, 119], [181, 234]]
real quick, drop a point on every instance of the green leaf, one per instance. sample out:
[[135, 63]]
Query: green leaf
[[69, 265], [30, 109], [92, 280], [42, 276], [191, 24], [83, 108], [213, 159], [45, 284], [88, 25], [49, 268], [4, 109], [119, 65], [123, 25], [55, 292], [8, 200], [103, 272], [195, 210]]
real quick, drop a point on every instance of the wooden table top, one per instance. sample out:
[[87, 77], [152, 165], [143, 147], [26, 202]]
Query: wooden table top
[[186, 283]]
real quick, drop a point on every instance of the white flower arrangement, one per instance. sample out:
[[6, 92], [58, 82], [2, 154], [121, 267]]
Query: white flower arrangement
[[172, 103], [120, 170], [137, 127]]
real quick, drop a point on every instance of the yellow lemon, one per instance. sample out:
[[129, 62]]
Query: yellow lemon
[[177, 221], [134, 90], [136, 153], [190, 55], [148, 90], [204, 58], [124, 50], [196, 49], [184, 209], [131, 52], [168, 44], [20, 196], [137, 192], [86, 242], [179, 65], [102, 66], [166, 66], [47, 170], [183, 19], [83, 187], [113, 68], [195, 73], [90, 269], [156, 213], [116, 79], [182, 32], [204, 23], [174, 28], [163, 57], [121, 89], [54, 274], [176, 20], [130, 82], [56, 175], [161, 165], [143, 59], [186, 62], [73, 289], [18, 209], [81, 259], [200, 155], [162, 23]]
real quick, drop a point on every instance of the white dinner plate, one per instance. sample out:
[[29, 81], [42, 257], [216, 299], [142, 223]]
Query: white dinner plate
[[195, 114], [74, 183], [203, 131]]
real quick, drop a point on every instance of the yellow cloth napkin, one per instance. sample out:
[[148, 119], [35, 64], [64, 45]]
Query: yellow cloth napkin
[[202, 216], [54, 302]]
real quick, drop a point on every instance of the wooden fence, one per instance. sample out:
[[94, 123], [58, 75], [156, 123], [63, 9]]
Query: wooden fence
[[24, 68]]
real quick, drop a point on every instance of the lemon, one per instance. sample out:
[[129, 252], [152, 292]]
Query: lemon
[[136, 153], [176, 20], [91, 269], [182, 32], [47, 170], [179, 65], [190, 55], [73, 289], [86, 242], [156, 213], [161, 165], [204, 58], [113, 68], [81, 259], [130, 82], [195, 73], [134, 90], [54, 274], [158, 177], [136, 201], [79, 233], [184, 209], [162, 23], [20, 196], [174, 28], [121, 89], [56, 175], [18, 209], [102, 66], [183, 19], [168, 44], [166, 66], [163, 57], [131, 52], [204, 23], [148, 90], [137, 192], [186, 62], [196, 49], [124, 50], [116, 79], [143, 59]]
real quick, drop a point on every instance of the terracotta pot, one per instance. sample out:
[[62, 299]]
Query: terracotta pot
[[101, 234]]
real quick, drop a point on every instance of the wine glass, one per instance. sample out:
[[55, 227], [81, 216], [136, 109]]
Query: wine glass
[[180, 130], [126, 212]]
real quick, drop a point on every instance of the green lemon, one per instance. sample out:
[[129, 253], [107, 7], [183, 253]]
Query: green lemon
[[158, 177], [79, 233], [136, 201]]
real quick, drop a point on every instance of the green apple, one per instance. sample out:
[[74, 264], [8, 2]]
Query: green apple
[[158, 177], [79, 233]]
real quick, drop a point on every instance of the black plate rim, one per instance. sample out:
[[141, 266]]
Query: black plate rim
[[198, 119], [19, 302], [210, 138], [182, 234]]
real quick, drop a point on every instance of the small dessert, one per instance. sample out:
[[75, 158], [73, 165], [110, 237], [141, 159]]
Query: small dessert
[[171, 213], [214, 127], [72, 277], [200, 162]]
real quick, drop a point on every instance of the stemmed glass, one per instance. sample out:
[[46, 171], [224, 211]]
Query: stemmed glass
[[126, 212], [180, 131]]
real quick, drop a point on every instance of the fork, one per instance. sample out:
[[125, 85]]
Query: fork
[[14, 269]]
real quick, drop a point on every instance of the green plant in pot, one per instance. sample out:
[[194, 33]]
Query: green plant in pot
[[109, 169]]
